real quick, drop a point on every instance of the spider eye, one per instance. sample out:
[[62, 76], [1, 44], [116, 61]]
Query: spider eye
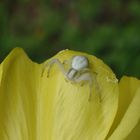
[[79, 62]]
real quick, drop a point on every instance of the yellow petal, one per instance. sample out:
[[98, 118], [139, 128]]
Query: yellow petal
[[20, 80], [66, 113], [34, 107], [128, 113], [135, 134]]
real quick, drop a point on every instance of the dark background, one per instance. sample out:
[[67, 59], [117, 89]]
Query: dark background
[[109, 29]]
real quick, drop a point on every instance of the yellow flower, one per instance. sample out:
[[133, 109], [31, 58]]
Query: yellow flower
[[36, 107]]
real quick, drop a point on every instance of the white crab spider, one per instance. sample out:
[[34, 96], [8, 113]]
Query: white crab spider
[[78, 72]]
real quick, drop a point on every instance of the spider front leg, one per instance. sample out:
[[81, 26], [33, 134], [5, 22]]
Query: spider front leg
[[91, 79], [49, 65]]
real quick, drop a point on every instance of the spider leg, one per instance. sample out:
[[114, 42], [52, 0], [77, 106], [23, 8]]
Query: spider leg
[[91, 79], [49, 65], [96, 85]]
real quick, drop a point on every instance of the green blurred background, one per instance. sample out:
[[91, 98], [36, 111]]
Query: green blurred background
[[109, 29]]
